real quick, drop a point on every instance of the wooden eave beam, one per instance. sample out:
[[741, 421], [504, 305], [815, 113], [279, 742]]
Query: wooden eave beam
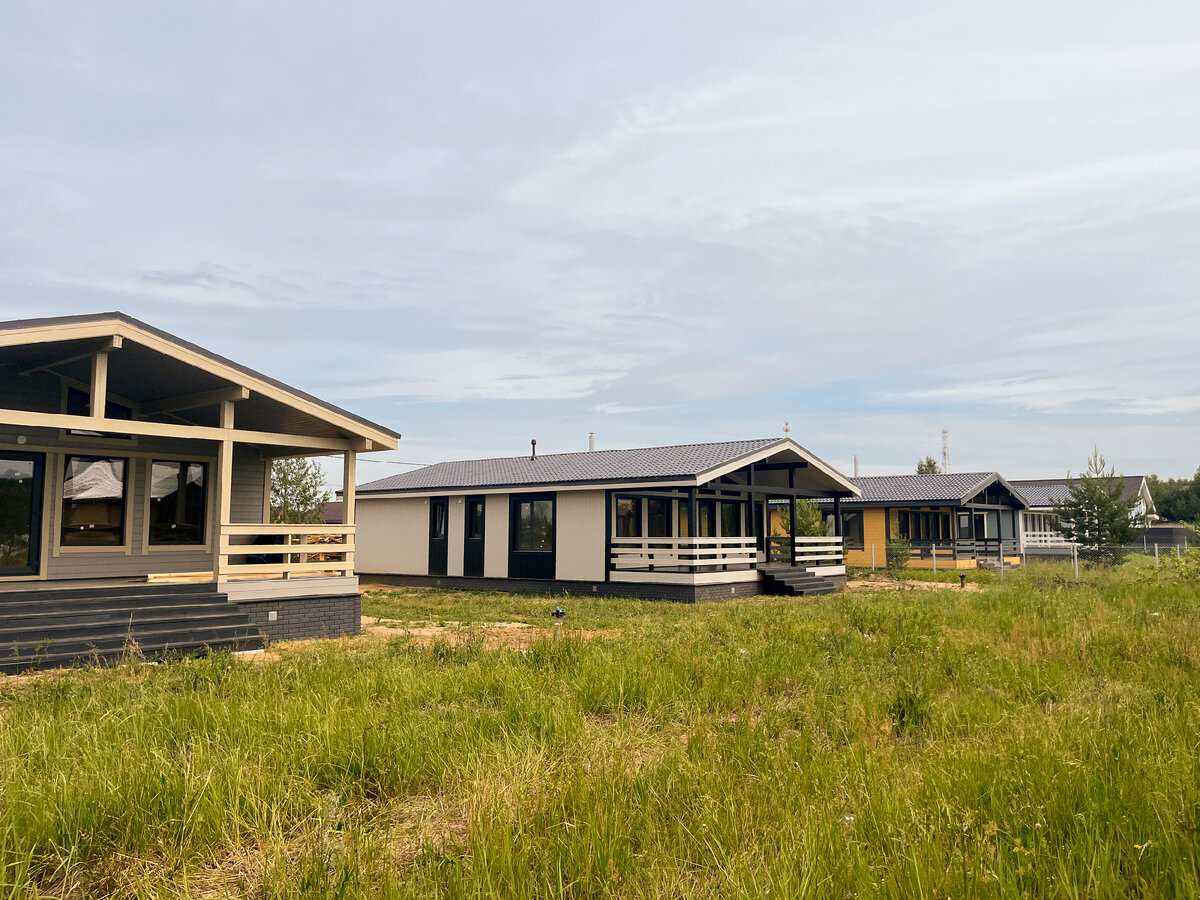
[[194, 401], [20, 417], [61, 357]]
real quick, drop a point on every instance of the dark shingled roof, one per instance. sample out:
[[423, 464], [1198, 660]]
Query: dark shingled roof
[[645, 464], [957, 487], [1050, 491]]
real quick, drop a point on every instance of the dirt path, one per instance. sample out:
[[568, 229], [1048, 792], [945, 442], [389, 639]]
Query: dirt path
[[492, 634], [867, 585]]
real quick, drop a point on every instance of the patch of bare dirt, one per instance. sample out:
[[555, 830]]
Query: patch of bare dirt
[[518, 635], [866, 585]]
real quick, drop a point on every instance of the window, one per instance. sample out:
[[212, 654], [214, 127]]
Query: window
[[93, 508], [658, 518], [706, 513], [534, 525], [474, 520], [178, 500], [438, 511], [629, 517], [685, 521], [731, 519], [852, 530]]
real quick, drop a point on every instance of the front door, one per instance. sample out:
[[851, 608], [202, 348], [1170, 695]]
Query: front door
[[439, 513], [473, 542], [21, 480]]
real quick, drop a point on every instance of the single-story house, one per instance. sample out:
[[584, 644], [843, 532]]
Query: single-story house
[[953, 521], [685, 522], [135, 491], [1039, 523]]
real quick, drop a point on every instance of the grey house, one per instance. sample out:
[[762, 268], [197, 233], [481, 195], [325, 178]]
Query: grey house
[[689, 522], [134, 497]]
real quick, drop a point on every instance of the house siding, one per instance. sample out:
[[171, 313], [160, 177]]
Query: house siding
[[392, 536], [579, 538], [495, 536], [874, 533], [456, 533]]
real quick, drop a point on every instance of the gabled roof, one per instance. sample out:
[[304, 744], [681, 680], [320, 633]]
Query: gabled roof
[[956, 488], [695, 463], [64, 329], [1052, 491]]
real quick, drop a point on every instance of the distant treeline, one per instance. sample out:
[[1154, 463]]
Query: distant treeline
[[1177, 499]]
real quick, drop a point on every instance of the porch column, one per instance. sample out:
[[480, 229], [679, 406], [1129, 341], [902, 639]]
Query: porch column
[[99, 393], [349, 464], [792, 530], [224, 490], [837, 516]]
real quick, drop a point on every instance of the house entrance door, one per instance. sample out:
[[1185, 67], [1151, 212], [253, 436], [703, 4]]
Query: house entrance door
[[439, 514], [21, 482]]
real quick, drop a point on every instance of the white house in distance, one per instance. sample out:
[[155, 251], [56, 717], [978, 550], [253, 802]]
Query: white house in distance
[[1039, 523], [687, 522], [135, 497]]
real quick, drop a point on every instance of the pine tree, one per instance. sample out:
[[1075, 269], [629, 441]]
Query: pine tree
[[298, 492], [1094, 515]]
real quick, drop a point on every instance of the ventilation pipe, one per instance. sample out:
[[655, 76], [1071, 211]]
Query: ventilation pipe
[[855, 465], [591, 442], [533, 448]]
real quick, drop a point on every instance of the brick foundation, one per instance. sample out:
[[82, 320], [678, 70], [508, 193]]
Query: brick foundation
[[300, 618], [680, 593]]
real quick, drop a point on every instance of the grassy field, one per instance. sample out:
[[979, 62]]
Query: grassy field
[[1033, 738]]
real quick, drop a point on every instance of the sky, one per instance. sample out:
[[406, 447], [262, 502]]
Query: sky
[[663, 222]]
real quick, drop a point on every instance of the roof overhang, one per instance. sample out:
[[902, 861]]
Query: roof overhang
[[178, 384]]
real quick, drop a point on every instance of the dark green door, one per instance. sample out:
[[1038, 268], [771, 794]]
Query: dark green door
[[21, 479], [439, 513], [473, 542]]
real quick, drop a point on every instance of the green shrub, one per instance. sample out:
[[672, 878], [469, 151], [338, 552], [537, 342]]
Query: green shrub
[[899, 552]]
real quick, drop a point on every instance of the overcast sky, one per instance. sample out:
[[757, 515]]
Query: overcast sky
[[478, 223]]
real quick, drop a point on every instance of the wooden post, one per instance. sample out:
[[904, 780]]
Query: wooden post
[[349, 460], [792, 530], [224, 490], [99, 392]]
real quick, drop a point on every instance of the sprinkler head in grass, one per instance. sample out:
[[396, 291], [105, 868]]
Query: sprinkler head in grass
[[559, 614], [962, 579]]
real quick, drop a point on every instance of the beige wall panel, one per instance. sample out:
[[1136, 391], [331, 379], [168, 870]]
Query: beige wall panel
[[579, 537], [495, 536], [392, 537], [249, 482], [456, 531]]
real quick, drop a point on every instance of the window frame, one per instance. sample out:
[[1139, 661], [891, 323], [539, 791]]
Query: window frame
[[515, 525], [639, 511], [103, 439], [204, 545], [125, 546], [470, 531]]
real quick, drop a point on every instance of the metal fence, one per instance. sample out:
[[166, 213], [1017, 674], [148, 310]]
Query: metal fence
[[1001, 556]]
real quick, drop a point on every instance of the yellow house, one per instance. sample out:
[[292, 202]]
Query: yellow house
[[953, 521]]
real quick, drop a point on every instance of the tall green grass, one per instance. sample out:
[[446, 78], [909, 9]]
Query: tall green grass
[[1017, 741]]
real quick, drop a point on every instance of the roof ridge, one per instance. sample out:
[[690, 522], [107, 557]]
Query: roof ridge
[[485, 459]]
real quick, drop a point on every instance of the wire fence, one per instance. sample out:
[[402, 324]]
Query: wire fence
[[1073, 561]]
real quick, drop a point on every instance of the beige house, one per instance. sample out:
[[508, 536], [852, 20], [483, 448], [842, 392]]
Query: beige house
[[134, 475], [688, 522]]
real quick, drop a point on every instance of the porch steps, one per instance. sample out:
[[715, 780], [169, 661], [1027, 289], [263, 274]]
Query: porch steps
[[51, 628], [797, 582]]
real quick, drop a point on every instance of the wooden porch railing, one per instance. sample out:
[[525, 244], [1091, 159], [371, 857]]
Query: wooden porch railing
[[285, 550], [704, 554], [819, 551], [1045, 539]]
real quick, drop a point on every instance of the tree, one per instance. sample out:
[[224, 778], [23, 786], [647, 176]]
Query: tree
[[928, 466], [809, 521], [1094, 515], [298, 492]]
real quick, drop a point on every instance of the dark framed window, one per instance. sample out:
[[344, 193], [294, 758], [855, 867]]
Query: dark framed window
[[178, 502], [706, 516], [658, 518], [475, 512], [93, 504], [534, 525], [731, 519], [629, 517], [685, 519], [438, 513], [79, 403], [852, 530]]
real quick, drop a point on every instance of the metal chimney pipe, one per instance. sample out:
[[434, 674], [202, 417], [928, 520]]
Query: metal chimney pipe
[[533, 448], [855, 465], [591, 442]]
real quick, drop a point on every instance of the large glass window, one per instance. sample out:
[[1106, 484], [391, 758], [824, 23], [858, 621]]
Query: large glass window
[[731, 519], [852, 529], [658, 518], [629, 517], [93, 508], [178, 500], [685, 519], [475, 519], [706, 514], [535, 525]]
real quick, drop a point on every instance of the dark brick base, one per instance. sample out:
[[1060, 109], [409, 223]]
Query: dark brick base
[[300, 618], [683, 593]]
